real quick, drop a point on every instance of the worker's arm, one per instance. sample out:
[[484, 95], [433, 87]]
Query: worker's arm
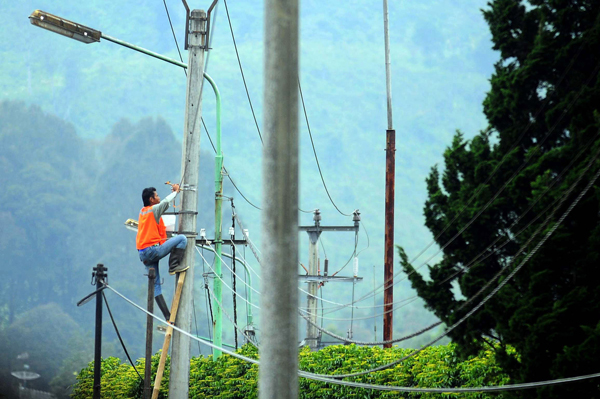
[[163, 205]]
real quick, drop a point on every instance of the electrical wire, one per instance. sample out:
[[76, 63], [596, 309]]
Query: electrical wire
[[226, 172], [478, 258], [242, 72], [174, 37], [225, 264], [306, 292], [487, 285], [119, 336], [315, 152], [386, 284], [225, 283], [328, 379], [406, 302], [247, 95], [196, 323], [323, 246], [503, 282], [250, 243], [351, 256], [233, 322]]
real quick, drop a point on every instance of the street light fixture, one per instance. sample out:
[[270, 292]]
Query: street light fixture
[[64, 27]]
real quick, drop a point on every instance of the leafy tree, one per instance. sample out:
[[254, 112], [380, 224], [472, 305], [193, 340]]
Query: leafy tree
[[514, 179]]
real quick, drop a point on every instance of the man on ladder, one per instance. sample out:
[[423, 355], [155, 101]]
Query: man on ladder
[[152, 243]]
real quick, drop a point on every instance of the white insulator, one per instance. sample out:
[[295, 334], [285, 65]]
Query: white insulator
[[246, 233], [355, 266]]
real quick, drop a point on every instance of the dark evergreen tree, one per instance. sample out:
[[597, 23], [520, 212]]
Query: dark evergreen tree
[[543, 136]]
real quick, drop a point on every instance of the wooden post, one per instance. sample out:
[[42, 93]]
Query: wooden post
[[149, 326], [165, 348]]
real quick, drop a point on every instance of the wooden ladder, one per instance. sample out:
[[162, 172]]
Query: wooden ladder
[[168, 335]]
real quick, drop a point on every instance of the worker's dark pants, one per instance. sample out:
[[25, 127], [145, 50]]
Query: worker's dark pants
[[151, 255]]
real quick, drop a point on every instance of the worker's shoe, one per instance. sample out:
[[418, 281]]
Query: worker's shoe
[[175, 261], [160, 301]]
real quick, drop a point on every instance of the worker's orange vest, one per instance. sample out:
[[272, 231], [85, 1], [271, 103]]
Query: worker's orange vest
[[150, 232]]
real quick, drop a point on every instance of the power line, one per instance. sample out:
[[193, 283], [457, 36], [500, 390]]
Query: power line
[[227, 173], [487, 285], [242, 72], [224, 283], [481, 186], [528, 157], [478, 258], [196, 323], [330, 380], [119, 336], [315, 152], [174, 37], [507, 279]]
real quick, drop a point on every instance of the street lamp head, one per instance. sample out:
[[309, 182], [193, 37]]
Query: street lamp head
[[64, 27]]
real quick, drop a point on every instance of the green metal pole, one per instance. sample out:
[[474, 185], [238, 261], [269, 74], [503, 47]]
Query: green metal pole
[[218, 327]]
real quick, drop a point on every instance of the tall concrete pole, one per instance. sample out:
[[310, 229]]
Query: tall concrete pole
[[180, 352], [313, 263], [390, 183], [278, 372]]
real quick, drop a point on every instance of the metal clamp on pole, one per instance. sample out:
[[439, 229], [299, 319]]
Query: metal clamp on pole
[[181, 213], [186, 233], [187, 187], [212, 6]]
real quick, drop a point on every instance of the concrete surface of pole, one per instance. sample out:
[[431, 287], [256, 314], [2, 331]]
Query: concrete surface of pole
[[390, 183], [278, 371], [311, 303], [180, 352]]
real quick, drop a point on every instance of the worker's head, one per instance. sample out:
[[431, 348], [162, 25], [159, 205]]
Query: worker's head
[[148, 194]]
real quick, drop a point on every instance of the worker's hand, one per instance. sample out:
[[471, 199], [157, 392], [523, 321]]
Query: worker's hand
[[175, 188]]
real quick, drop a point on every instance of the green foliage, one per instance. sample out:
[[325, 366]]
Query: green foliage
[[232, 378], [542, 111], [119, 380]]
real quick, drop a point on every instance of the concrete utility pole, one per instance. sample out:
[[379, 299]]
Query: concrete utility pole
[[312, 334], [314, 278], [278, 371], [390, 183], [180, 353]]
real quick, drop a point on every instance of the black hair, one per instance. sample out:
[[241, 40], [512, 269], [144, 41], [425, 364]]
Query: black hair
[[147, 194]]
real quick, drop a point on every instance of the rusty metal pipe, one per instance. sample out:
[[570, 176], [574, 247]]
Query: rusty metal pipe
[[390, 182]]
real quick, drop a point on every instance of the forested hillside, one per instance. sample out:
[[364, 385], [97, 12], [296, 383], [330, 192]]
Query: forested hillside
[[65, 201]]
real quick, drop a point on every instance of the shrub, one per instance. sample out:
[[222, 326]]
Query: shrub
[[229, 377]]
